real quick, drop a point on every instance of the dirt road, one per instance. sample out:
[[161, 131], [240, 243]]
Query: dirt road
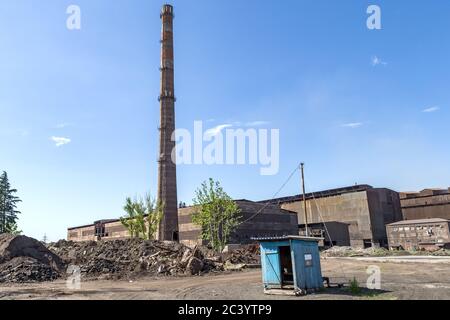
[[400, 280]]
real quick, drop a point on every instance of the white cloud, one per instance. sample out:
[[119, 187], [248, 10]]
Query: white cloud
[[376, 61], [216, 130], [431, 109], [60, 141], [353, 125]]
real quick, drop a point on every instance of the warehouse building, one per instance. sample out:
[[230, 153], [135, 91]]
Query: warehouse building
[[425, 234], [104, 229], [426, 204], [260, 220], [263, 220], [353, 216]]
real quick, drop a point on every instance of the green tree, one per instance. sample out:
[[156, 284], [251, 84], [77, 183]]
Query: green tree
[[8, 207], [217, 214], [143, 217]]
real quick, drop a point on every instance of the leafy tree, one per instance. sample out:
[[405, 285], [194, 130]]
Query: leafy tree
[[143, 217], [217, 214], [8, 207]]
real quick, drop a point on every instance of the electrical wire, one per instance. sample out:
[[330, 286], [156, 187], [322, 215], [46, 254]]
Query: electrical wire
[[273, 197]]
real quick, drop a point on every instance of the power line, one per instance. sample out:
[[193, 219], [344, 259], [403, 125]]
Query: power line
[[273, 197]]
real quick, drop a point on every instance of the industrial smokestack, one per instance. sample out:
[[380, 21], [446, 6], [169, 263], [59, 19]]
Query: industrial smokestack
[[167, 172]]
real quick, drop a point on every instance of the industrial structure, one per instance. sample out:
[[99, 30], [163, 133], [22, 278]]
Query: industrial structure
[[167, 172], [266, 220], [353, 216], [426, 204], [258, 220], [426, 234]]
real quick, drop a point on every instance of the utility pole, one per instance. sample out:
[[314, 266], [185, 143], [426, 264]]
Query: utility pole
[[304, 198]]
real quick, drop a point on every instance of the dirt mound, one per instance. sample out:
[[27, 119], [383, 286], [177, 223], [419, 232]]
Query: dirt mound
[[24, 259], [131, 258]]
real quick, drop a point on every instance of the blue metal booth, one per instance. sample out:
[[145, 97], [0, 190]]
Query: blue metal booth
[[291, 263]]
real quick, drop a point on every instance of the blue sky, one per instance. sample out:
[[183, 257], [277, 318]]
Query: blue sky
[[305, 67]]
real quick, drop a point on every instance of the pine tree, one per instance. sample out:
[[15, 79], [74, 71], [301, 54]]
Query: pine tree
[[8, 206]]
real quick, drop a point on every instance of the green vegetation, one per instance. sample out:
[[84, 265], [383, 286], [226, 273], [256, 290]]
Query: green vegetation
[[143, 217], [8, 207], [354, 287], [217, 214]]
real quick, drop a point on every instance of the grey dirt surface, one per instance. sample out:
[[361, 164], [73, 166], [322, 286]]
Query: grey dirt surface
[[400, 281]]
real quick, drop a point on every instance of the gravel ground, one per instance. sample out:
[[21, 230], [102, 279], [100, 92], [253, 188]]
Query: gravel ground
[[400, 281]]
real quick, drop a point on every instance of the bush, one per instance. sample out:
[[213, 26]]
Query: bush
[[354, 287]]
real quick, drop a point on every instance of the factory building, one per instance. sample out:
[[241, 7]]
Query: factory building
[[425, 234], [263, 221], [426, 204], [111, 229], [353, 216]]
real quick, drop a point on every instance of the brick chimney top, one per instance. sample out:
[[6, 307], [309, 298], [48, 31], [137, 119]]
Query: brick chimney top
[[167, 9]]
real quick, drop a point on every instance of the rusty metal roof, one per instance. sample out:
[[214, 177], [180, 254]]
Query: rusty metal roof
[[321, 194]]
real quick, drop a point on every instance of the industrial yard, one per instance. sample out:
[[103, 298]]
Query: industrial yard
[[144, 270], [339, 210], [414, 280]]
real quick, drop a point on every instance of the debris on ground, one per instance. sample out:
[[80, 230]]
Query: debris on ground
[[24, 259], [354, 252], [130, 258], [377, 252]]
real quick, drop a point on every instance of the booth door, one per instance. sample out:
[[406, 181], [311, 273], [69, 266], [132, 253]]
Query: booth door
[[271, 266]]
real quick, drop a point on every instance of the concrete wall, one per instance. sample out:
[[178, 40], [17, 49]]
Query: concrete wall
[[416, 235], [365, 212], [385, 208], [420, 206], [116, 230], [351, 208], [113, 230], [334, 233], [190, 233], [272, 221], [81, 234]]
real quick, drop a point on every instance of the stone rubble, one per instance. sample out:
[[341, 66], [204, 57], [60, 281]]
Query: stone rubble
[[24, 259]]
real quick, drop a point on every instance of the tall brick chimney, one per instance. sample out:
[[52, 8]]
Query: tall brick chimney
[[167, 172]]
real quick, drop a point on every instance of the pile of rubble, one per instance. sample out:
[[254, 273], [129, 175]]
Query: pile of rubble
[[23, 259], [131, 258]]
